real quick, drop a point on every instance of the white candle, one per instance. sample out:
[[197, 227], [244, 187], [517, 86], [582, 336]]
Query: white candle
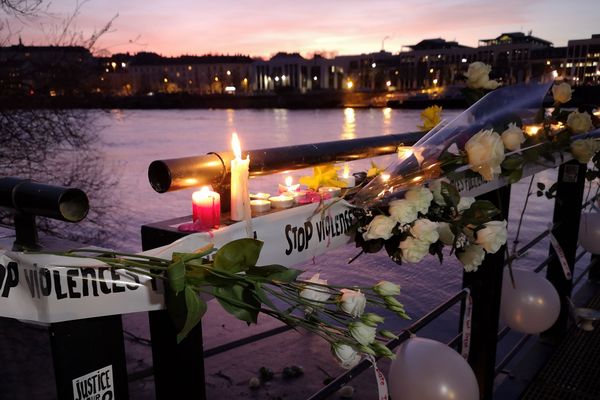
[[333, 191], [281, 201], [288, 187], [348, 179], [260, 206], [240, 199], [259, 196]]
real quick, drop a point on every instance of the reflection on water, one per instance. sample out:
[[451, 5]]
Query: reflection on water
[[349, 127], [387, 120], [281, 124]]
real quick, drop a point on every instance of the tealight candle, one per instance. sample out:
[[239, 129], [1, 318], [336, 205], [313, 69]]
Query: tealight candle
[[206, 208], [348, 179], [281, 201], [288, 187], [260, 206], [240, 200], [259, 196], [332, 191]]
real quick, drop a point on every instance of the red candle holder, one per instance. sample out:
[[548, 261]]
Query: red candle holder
[[206, 209]]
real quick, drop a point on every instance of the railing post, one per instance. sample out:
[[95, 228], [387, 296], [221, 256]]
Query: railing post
[[567, 212], [486, 288], [178, 368]]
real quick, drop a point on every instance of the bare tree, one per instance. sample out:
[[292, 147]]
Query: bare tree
[[60, 146]]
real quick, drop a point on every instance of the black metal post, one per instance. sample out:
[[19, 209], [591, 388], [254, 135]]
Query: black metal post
[[486, 288], [594, 273], [178, 368], [89, 351], [567, 212]]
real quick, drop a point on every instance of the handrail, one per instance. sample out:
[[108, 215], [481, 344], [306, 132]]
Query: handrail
[[213, 168]]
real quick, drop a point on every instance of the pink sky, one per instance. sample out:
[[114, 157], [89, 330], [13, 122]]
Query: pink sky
[[262, 27]]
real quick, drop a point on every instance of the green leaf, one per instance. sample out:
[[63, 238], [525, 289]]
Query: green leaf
[[176, 275], [238, 255], [238, 301], [513, 162], [450, 194], [541, 186], [480, 212], [275, 273], [195, 307], [262, 297], [515, 176]]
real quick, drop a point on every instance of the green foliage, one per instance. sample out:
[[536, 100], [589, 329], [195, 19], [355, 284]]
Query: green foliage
[[238, 255], [479, 213], [450, 194]]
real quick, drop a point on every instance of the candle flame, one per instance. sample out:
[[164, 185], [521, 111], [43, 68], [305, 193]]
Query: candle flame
[[235, 144], [202, 193], [532, 130], [346, 173], [288, 181]]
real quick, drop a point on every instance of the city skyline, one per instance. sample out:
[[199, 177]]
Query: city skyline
[[261, 28]]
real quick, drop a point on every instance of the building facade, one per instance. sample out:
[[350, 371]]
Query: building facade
[[583, 61]]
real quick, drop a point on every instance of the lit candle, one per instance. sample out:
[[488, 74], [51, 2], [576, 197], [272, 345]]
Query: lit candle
[[260, 206], [240, 199], [259, 196], [288, 187], [348, 179], [532, 130], [281, 201], [332, 191], [206, 208]]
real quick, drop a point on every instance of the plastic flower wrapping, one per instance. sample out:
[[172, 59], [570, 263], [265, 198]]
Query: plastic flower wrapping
[[412, 209]]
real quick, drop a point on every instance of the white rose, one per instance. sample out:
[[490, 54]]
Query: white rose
[[579, 122], [471, 257], [380, 228], [465, 203], [435, 187], [363, 333], [425, 230], [478, 76], [413, 250], [445, 233], [403, 211], [347, 356], [583, 150], [421, 199], [313, 292], [387, 288], [352, 302], [513, 137], [493, 236], [486, 152], [490, 84], [562, 92]]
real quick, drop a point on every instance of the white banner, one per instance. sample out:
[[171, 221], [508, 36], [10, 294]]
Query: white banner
[[40, 287]]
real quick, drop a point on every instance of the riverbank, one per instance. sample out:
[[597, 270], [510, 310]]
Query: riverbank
[[313, 100]]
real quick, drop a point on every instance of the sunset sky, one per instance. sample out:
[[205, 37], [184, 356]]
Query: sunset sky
[[263, 27]]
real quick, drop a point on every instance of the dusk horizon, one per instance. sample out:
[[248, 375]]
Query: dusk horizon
[[262, 28]]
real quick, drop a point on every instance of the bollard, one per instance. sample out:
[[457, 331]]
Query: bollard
[[567, 213], [486, 288]]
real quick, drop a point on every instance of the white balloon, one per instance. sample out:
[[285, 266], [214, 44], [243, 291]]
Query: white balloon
[[530, 307], [589, 232], [428, 370]]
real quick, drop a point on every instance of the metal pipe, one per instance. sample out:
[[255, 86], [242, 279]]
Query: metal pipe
[[32, 198], [213, 168]]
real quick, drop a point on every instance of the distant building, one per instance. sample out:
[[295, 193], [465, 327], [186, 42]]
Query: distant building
[[290, 72], [583, 59], [47, 70], [432, 63], [210, 74], [510, 55]]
